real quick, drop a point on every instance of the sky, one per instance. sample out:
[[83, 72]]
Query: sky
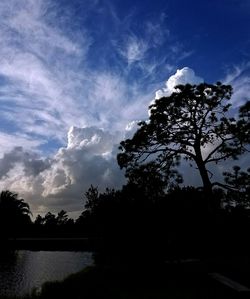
[[77, 75]]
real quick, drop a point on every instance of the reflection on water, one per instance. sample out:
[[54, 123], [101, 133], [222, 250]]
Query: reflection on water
[[23, 270]]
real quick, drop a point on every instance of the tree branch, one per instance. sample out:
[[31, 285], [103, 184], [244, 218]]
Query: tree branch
[[216, 149], [220, 158], [225, 186], [213, 151]]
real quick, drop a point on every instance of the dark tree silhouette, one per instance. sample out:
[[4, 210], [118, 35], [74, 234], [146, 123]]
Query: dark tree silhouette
[[39, 220], [10, 202], [245, 122], [14, 213], [52, 225], [237, 183], [151, 180], [50, 220], [62, 218], [92, 196], [191, 123]]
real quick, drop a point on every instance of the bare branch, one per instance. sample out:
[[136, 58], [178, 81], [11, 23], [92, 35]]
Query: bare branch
[[225, 186]]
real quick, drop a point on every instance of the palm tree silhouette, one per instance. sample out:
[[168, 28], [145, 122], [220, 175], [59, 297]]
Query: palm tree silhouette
[[14, 213]]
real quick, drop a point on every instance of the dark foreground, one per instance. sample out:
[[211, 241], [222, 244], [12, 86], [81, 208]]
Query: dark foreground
[[175, 279]]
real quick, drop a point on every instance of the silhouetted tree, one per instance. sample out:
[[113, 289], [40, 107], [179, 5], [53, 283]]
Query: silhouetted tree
[[245, 122], [238, 187], [50, 221], [190, 123], [14, 213], [92, 196], [62, 218], [39, 220], [151, 180]]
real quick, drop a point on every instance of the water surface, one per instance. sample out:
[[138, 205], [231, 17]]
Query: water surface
[[23, 270]]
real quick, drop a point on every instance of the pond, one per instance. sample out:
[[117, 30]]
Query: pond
[[23, 270]]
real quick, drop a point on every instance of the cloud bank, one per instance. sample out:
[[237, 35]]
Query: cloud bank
[[60, 182]]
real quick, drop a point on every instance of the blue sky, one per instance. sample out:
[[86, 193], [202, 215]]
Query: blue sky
[[75, 76]]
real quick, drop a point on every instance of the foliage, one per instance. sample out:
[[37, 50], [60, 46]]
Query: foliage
[[54, 225], [62, 218], [238, 185], [92, 196], [192, 123], [151, 180], [15, 206], [244, 123], [14, 213]]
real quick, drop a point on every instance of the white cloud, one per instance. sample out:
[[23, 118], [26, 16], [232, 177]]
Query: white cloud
[[39, 62], [156, 33], [182, 76], [239, 78], [87, 159], [9, 141], [134, 49], [32, 164], [47, 86], [60, 182]]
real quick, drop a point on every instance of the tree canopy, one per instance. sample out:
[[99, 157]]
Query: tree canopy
[[14, 213], [192, 123]]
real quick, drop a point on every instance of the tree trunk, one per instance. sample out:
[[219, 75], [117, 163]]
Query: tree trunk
[[207, 185]]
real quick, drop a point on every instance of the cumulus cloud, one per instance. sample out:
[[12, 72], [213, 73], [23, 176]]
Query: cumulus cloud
[[182, 76], [32, 165], [60, 182], [9, 141], [87, 159]]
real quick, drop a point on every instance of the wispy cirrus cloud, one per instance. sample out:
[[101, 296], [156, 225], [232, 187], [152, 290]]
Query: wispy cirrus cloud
[[134, 49], [46, 84], [10, 140], [239, 78], [47, 81], [39, 63]]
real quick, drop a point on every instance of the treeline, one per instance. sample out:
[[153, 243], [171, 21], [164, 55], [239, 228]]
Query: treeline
[[143, 219]]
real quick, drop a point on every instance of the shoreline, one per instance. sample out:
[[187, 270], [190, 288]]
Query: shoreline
[[52, 243]]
